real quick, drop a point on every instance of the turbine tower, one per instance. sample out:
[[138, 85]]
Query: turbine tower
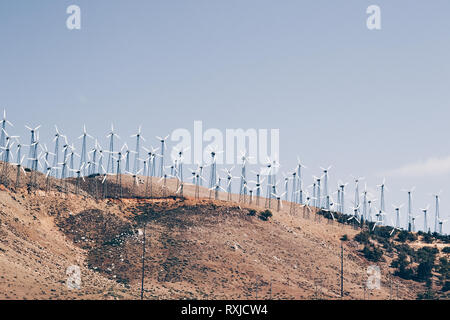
[[436, 214], [425, 222], [382, 188], [300, 182], [32, 154], [242, 188], [356, 202], [163, 147], [3, 128], [110, 164], [326, 202], [138, 136], [83, 157], [409, 216], [58, 135]]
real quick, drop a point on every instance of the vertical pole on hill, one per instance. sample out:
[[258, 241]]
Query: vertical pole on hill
[[143, 262], [270, 290], [342, 271], [397, 290], [390, 287]]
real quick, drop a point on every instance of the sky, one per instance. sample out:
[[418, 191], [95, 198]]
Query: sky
[[372, 103]]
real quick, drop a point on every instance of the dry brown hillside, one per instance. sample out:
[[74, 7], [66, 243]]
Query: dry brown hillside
[[196, 248]]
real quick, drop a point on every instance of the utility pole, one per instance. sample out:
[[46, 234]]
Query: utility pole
[[342, 271], [143, 262], [270, 288]]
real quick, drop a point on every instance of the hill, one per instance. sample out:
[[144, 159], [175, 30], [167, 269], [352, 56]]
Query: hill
[[196, 247]]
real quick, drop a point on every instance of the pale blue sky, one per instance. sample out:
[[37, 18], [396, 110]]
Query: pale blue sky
[[368, 102]]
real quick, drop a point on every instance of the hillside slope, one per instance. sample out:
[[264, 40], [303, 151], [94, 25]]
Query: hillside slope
[[196, 249]]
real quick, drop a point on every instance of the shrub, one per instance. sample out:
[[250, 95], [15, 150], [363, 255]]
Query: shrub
[[404, 236], [344, 238], [252, 212], [372, 253], [265, 215], [363, 237], [446, 250], [427, 237], [401, 263]]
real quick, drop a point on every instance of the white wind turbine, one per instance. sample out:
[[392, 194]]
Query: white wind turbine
[[32, 154], [441, 222], [356, 201], [84, 154], [397, 215], [111, 135], [382, 187], [409, 216], [300, 180], [3, 128], [163, 147], [326, 202], [138, 137], [56, 138], [425, 220]]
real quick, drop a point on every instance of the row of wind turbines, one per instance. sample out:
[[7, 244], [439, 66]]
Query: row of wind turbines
[[64, 162]]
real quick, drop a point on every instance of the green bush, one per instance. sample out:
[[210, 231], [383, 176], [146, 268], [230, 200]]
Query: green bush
[[363, 237], [252, 212], [404, 236], [372, 253], [344, 238], [446, 250], [402, 263], [265, 215]]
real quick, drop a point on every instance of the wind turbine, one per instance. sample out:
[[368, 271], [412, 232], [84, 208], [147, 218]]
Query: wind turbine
[[364, 204], [409, 191], [229, 182], [258, 184], [326, 203], [394, 227], [138, 137], [342, 200], [111, 135], [318, 191], [278, 198], [20, 168], [300, 181], [58, 135], [83, 158], [242, 189], [180, 161], [213, 151], [382, 189], [397, 215], [354, 216], [306, 206], [32, 154], [78, 176], [413, 222], [163, 147], [356, 202], [3, 128], [436, 214], [441, 222], [425, 222], [6, 159]]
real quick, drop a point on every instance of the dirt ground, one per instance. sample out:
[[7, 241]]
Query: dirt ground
[[195, 248]]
